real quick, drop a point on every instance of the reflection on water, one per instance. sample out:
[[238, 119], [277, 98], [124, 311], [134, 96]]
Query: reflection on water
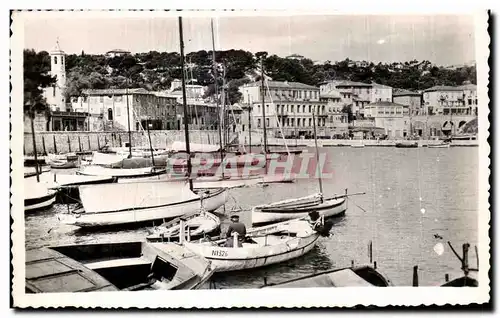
[[411, 195]]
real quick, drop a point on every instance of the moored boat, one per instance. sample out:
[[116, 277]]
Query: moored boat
[[274, 245], [360, 276], [198, 224], [120, 173], [128, 266], [137, 202], [297, 208], [406, 145], [443, 145], [37, 196]]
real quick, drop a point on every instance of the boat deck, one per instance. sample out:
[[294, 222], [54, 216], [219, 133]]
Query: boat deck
[[117, 262]]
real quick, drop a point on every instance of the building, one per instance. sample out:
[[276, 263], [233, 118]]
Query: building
[[451, 100], [412, 99], [357, 95], [192, 91], [337, 120], [54, 95], [288, 107], [107, 109], [116, 53], [392, 117]]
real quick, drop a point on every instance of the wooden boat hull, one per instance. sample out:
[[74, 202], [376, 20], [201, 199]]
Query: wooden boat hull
[[120, 173], [226, 259], [401, 145], [199, 225], [40, 203], [363, 276], [329, 208], [127, 266], [64, 165], [144, 214], [439, 146]]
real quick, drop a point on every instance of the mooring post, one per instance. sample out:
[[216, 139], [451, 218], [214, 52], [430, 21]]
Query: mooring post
[[446, 277], [69, 144], [43, 146], [415, 276], [465, 259], [55, 145]]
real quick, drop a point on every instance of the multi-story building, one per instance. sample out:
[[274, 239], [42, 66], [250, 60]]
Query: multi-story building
[[392, 117], [451, 100], [289, 106], [358, 95], [337, 120], [412, 99]]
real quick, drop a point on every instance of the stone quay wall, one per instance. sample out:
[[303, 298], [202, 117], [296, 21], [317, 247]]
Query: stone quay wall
[[70, 141]]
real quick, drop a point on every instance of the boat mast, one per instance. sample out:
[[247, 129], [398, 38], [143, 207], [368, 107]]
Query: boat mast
[[186, 127], [317, 156], [214, 65], [128, 121], [32, 118], [150, 144], [249, 127], [263, 96]]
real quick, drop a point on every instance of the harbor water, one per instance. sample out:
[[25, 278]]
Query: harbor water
[[416, 200]]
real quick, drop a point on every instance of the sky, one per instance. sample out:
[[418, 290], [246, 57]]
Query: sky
[[441, 39]]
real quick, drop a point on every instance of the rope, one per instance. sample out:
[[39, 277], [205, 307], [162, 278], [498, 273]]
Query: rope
[[357, 205]]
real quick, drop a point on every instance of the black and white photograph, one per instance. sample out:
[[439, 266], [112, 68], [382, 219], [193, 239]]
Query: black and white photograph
[[282, 158]]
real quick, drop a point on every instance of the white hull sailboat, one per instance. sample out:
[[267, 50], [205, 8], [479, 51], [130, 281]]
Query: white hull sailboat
[[293, 239], [438, 146], [37, 195], [115, 204], [298, 208], [120, 173], [198, 224]]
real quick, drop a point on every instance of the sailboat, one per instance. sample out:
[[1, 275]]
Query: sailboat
[[37, 196], [296, 208]]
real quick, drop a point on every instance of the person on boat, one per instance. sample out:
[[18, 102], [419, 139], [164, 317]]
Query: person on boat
[[238, 227]]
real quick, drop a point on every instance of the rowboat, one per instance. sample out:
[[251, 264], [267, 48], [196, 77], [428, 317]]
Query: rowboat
[[93, 170], [263, 247], [63, 164], [137, 202], [438, 146], [199, 224], [298, 208], [128, 266], [37, 195], [406, 145], [360, 276]]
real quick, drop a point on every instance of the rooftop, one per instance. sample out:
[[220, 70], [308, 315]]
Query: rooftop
[[444, 89], [285, 84], [386, 104], [115, 91], [404, 92]]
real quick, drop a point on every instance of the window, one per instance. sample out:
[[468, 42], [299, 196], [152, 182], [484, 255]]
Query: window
[[309, 108], [293, 121], [303, 108], [292, 108], [55, 59], [310, 121], [62, 59], [101, 99], [258, 108], [267, 108], [267, 122], [74, 99], [110, 114], [259, 123]]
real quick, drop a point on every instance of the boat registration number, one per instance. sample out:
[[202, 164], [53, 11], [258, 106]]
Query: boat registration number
[[219, 253]]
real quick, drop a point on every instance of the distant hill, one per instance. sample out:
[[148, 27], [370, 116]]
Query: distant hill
[[155, 71]]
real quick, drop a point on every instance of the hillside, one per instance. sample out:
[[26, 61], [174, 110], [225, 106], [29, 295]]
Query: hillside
[[155, 70]]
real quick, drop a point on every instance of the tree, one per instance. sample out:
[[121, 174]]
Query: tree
[[36, 69], [347, 109]]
